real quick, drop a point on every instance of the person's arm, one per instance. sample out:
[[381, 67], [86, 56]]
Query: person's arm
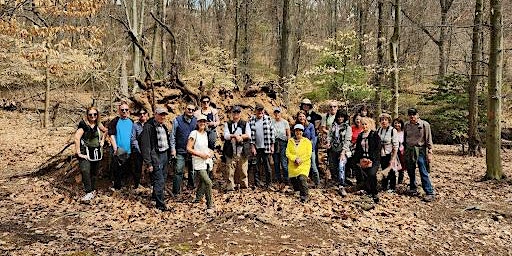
[[190, 146], [172, 137], [78, 135], [290, 150], [287, 130], [305, 150], [347, 141], [247, 134], [272, 134], [428, 136], [145, 144], [216, 120], [395, 143], [323, 125], [134, 142], [227, 134]]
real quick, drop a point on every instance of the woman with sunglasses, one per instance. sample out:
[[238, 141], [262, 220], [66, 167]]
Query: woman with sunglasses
[[212, 119], [89, 139]]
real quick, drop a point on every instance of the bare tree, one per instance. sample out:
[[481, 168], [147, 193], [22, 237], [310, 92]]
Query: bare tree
[[393, 49], [493, 142], [476, 58], [379, 72]]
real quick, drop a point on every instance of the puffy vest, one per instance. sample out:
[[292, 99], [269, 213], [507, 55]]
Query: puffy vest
[[183, 130]]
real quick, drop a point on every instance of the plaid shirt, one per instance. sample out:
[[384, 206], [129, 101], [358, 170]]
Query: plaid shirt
[[268, 132]]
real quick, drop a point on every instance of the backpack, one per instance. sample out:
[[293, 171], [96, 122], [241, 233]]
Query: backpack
[[227, 149]]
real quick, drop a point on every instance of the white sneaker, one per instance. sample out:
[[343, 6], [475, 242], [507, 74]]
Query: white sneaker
[[88, 196]]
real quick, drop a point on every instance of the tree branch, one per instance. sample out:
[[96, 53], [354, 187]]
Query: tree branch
[[422, 27]]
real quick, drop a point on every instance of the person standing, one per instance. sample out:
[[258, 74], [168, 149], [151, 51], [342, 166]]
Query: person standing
[[418, 151], [282, 134], [338, 143], [136, 138], [182, 126], [353, 169], [262, 142], [367, 154], [236, 149], [212, 120], [329, 118], [155, 147], [399, 126], [307, 106], [202, 160], [298, 152], [389, 151], [309, 133], [89, 140], [120, 131]]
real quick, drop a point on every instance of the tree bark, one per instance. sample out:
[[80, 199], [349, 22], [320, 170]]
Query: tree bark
[[361, 31], [493, 142], [476, 58], [394, 47], [283, 61], [298, 39], [46, 121], [245, 44], [123, 79], [379, 72], [235, 41]]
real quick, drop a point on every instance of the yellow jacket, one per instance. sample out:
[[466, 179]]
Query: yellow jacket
[[302, 151]]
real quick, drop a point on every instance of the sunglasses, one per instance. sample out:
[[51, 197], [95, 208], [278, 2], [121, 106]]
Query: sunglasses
[[206, 101], [92, 114], [333, 106], [143, 113], [191, 109], [125, 110]]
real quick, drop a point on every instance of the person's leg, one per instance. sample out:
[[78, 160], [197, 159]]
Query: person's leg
[[137, 172], [392, 179], [191, 179], [303, 187], [94, 173], [411, 171], [425, 177], [85, 168], [277, 160], [231, 165], [384, 163], [178, 174], [206, 185], [295, 183], [201, 187], [266, 166], [243, 166], [333, 164], [372, 178], [284, 162], [315, 176], [257, 169], [341, 172], [116, 171]]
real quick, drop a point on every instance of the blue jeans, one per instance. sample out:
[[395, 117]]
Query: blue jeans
[[341, 171], [424, 175], [280, 160], [262, 159], [315, 176], [181, 162], [159, 176]]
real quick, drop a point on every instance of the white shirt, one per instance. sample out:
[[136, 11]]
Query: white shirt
[[201, 145]]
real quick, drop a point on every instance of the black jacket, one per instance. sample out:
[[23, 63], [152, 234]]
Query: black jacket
[[149, 142], [373, 149]]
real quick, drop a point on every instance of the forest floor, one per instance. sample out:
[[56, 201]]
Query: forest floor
[[38, 217]]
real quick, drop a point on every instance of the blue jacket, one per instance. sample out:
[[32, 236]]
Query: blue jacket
[[181, 129]]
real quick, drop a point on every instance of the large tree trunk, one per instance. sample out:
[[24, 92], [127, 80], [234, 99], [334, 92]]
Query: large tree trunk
[[493, 142], [394, 44], [379, 72], [298, 39], [163, 46], [235, 41], [361, 31], [244, 67], [46, 121], [476, 57], [123, 78], [283, 61], [441, 44]]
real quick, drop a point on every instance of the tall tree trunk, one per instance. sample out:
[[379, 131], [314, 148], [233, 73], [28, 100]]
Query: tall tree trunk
[[123, 78], [380, 59], [361, 31], [245, 44], [163, 46], [394, 47], [137, 60], [493, 142], [235, 42], [46, 120], [443, 36], [283, 61], [476, 58], [298, 38]]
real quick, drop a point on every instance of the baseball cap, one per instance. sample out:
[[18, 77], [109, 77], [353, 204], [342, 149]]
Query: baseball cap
[[277, 109], [412, 111], [299, 127], [236, 109], [306, 102], [161, 111], [201, 117], [259, 106]]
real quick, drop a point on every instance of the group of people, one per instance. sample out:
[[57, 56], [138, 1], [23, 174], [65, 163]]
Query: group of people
[[353, 150]]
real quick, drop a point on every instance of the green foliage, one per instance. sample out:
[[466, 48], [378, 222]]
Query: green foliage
[[337, 75], [449, 117]]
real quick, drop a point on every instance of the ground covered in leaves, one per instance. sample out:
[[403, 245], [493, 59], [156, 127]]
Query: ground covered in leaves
[[39, 217]]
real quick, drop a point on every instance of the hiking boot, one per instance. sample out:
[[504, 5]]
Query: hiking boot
[[163, 208], [429, 198], [413, 192], [375, 199], [304, 199], [343, 192]]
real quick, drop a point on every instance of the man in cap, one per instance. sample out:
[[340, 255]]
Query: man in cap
[[282, 134], [155, 145], [418, 151], [237, 134], [182, 126], [262, 142], [312, 116]]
